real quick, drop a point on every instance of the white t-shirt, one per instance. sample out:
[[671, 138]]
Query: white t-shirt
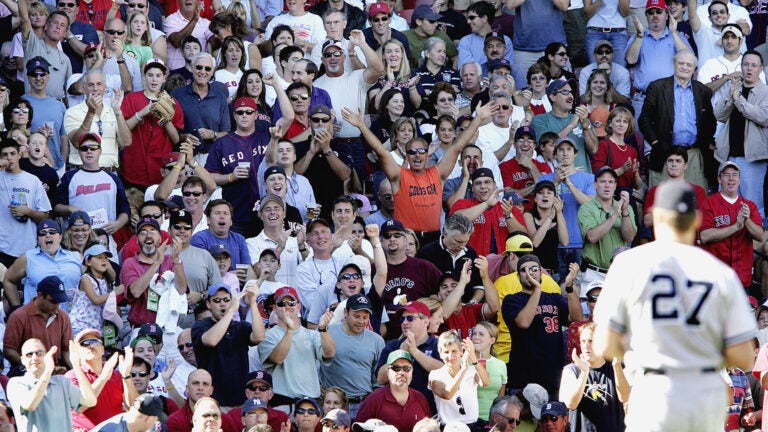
[[308, 27], [347, 91], [229, 79]]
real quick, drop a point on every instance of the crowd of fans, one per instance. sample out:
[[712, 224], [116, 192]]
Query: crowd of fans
[[344, 215]]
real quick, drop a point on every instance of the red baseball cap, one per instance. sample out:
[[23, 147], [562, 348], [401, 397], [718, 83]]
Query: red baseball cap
[[245, 102], [286, 291], [378, 8], [414, 307], [658, 4]]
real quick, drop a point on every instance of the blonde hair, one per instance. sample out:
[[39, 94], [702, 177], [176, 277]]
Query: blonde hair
[[144, 37], [493, 332], [431, 303], [339, 392], [405, 66]]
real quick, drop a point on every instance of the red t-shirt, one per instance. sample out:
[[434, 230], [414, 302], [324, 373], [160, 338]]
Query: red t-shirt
[[95, 13], [464, 319], [491, 221], [650, 197], [517, 176]]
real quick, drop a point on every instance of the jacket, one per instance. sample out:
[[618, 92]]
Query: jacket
[[755, 111]]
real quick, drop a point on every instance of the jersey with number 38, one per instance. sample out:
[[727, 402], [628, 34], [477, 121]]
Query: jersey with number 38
[[679, 305]]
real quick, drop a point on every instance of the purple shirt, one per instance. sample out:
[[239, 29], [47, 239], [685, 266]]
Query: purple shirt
[[412, 279]]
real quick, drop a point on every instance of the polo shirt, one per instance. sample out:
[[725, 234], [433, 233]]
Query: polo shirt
[[110, 400], [53, 411], [209, 112], [28, 322], [592, 214], [133, 269], [382, 404]]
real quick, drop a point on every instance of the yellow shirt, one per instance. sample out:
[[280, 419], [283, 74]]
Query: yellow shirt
[[508, 285]]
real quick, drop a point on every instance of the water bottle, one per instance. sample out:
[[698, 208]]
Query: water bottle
[[22, 200]]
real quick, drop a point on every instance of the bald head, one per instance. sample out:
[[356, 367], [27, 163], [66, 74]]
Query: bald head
[[199, 385], [33, 344]]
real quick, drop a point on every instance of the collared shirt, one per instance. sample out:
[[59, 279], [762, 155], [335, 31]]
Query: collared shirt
[[54, 410], [648, 67], [175, 22], [105, 125], [65, 264], [208, 112], [684, 129]]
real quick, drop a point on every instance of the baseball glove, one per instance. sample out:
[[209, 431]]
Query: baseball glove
[[164, 108]]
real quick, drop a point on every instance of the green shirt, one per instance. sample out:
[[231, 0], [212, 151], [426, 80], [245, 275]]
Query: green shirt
[[416, 46], [591, 215], [550, 123]]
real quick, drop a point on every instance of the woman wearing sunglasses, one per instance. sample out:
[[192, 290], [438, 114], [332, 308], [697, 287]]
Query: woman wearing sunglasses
[[455, 384]]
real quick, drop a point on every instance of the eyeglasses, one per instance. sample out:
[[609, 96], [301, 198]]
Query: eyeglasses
[[504, 107], [90, 342], [471, 17], [532, 269], [565, 92], [399, 368], [188, 193], [462, 411], [592, 298], [136, 5], [47, 232], [561, 54], [310, 411], [348, 276], [287, 303], [179, 227], [139, 374], [382, 19], [183, 346], [114, 32], [408, 318], [654, 11], [92, 148], [515, 421], [548, 418], [244, 112], [38, 74], [66, 5], [416, 151], [388, 236], [432, 21], [201, 67], [254, 387], [153, 215], [218, 300], [296, 97], [320, 119], [333, 54], [21, 110], [604, 52], [330, 424], [38, 353]]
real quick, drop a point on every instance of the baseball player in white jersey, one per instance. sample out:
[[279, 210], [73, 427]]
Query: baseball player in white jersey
[[681, 315]]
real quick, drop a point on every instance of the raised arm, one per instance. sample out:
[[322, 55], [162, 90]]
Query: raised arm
[[388, 164], [375, 66], [447, 162], [379, 259]]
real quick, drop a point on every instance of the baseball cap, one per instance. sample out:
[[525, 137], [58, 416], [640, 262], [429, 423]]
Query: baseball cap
[[54, 287], [253, 404], [519, 243], [213, 289], [271, 197], [81, 215], [727, 164], [525, 130], [245, 102], [557, 84], [169, 158], [544, 184], [180, 216], [516, 198], [48, 223], [601, 43], [676, 196], [85, 333], [424, 12], [378, 8], [151, 405], [73, 79], [564, 140], [314, 402], [397, 355], [658, 4], [598, 117], [270, 251], [606, 169], [155, 62], [274, 169], [96, 250], [498, 64], [447, 275], [368, 425], [414, 307], [89, 136], [332, 43], [320, 109], [526, 259], [90, 47], [494, 35], [153, 331], [537, 396], [391, 225], [359, 302], [363, 265], [482, 172], [556, 409], [595, 284], [338, 416], [259, 375], [147, 221], [732, 28], [135, 341], [37, 62], [312, 222], [286, 291], [217, 250]]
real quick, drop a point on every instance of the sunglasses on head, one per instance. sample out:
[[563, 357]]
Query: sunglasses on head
[[218, 300], [296, 97], [254, 387], [382, 19], [90, 148], [47, 232], [398, 368], [286, 303], [90, 342], [182, 227], [348, 276], [311, 411], [185, 345], [188, 193], [389, 235], [38, 353], [244, 112], [320, 119], [140, 374], [201, 67], [415, 151], [333, 54], [114, 32]]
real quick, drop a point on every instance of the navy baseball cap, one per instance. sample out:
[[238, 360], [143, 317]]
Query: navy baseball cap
[[217, 250], [482, 172], [359, 302], [557, 409], [213, 289], [252, 405], [147, 221], [274, 169], [494, 35], [557, 84], [54, 287], [499, 63], [153, 332], [79, 214], [313, 401], [392, 225], [37, 62], [259, 375], [606, 169], [525, 130], [48, 223], [424, 12], [152, 405]]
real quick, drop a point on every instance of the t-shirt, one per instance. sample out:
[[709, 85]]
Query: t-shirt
[[234, 242], [18, 236], [60, 67], [408, 281], [549, 122], [297, 375], [99, 193], [308, 27], [516, 176], [347, 91], [53, 411]]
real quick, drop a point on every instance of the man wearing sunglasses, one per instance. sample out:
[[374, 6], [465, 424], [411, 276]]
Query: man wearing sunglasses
[[397, 403], [383, 25], [115, 62], [221, 344], [602, 58], [258, 385], [42, 400], [48, 111], [79, 36], [505, 414], [289, 347]]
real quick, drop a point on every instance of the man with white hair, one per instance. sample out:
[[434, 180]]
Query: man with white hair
[[471, 85]]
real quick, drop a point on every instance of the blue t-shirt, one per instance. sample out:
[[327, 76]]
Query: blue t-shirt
[[537, 24], [234, 242], [583, 181]]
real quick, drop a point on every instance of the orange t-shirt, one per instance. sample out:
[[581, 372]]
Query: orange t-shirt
[[419, 200]]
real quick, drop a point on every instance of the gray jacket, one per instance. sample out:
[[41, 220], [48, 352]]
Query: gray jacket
[[755, 111]]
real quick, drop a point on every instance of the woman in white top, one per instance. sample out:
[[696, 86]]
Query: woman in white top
[[231, 66], [455, 384]]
